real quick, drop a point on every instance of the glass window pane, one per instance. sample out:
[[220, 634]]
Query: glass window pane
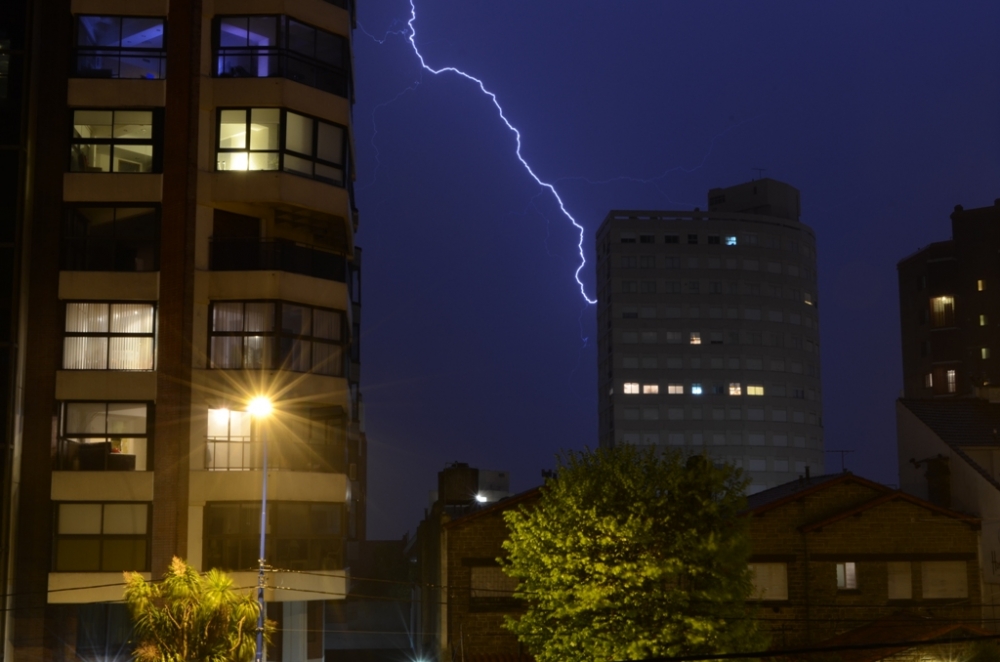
[[301, 38], [133, 158], [98, 31], [142, 32], [329, 48], [238, 161], [226, 352], [133, 125], [131, 318], [126, 418], [259, 317], [82, 353], [233, 129], [265, 127], [326, 359], [79, 518], [295, 354], [326, 324], [218, 423], [233, 31], [122, 518], [227, 316], [90, 158], [299, 165], [293, 519], [330, 146], [257, 352], [92, 123], [118, 555], [334, 175], [299, 133], [262, 161], [84, 418], [78, 555], [239, 425], [221, 520], [87, 317], [296, 320], [263, 31], [130, 354]]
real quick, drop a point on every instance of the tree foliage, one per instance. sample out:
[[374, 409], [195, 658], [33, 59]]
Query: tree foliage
[[630, 554], [192, 617]]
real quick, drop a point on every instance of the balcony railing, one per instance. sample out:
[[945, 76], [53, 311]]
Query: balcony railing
[[74, 455], [91, 254], [269, 62], [245, 455], [229, 254], [97, 62]]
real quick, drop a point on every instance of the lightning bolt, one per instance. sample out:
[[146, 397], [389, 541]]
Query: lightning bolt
[[517, 134]]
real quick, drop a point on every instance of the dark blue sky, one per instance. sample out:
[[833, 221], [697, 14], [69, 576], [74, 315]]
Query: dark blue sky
[[477, 345]]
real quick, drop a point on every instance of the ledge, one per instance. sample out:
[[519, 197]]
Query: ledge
[[112, 187], [116, 93], [235, 285], [297, 586], [109, 285], [102, 485], [82, 587], [208, 486], [279, 190], [278, 92], [121, 7], [105, 385], [314, 12]]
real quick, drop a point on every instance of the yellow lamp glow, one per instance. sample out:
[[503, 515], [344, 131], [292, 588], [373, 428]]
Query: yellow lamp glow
[[260, 407]]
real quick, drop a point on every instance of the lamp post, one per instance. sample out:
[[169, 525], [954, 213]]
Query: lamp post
[[260, 408]]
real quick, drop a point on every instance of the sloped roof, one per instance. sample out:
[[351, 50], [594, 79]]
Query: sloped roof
[[886, 498], [499, 506], [959, 422], [763, 501]]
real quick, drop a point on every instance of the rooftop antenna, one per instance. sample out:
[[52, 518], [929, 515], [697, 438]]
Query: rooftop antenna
[[842, 454], [760, 172]]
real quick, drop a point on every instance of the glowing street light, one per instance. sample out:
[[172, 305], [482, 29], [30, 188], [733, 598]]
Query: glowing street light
[[260, 408]]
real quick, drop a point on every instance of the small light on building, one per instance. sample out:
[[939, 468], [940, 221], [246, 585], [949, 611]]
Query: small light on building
[[480, 498]]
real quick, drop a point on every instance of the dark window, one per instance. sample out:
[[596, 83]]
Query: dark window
[[628, 262], [111, 239], [647, 239], [630, 286], [300, 536], [671, 239], [120, 47], [102, 537], [276, 139], [104, 631], [692, 239], [647, 286], [279, 46], [647, 261], [109, 336], [273, 335], [714, 239], [115, 141], [104, 436]]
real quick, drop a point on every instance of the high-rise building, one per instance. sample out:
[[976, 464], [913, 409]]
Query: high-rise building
[[949, 307], [189, 246], [708, 332]]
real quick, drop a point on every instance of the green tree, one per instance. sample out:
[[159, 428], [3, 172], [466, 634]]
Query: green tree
[[192, 617], [630, 554]]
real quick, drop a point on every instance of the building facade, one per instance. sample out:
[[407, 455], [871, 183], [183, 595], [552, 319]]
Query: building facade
[[949, 307], [191, 219], [708, 332]]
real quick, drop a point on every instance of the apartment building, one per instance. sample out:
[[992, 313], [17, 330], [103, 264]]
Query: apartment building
[[708, 332], [949, 309], [190, 224]]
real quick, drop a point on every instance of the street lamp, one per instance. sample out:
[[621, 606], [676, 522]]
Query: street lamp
[[260, 408]]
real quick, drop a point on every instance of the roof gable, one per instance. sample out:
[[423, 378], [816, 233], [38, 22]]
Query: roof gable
[[882, 500]]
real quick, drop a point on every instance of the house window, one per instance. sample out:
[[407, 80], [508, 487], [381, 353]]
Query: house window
[[770, 581], [630, 286], [929, 380], [647, 261], [753, 389], [982, 320], [102, 537], [279, 46], [300, 535], [647, 287], [489, 586], [273, 335], [900, 580], [950, 379], [115, 141], [675, 389], [109, 336], [647, 239], [627, 237], [120, 47], [695, 338], [671, 239], [807, 298], [631, 388], [229, 445], [111, 239], [980, 285], [942, 311], [628, 261], [944, 579], [696, 389], [730, 241], [692, 239], [650, 389], [103, 630], [714, 239], [277, 139], [735, 388], [847, 576], [103, 436], [984, 352]]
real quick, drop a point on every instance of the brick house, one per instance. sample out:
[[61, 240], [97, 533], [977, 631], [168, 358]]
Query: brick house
[[836, 553]]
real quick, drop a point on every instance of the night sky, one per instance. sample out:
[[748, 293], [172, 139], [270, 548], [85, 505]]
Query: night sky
[[476, 343]]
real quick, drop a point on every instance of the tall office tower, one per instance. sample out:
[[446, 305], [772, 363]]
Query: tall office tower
[[949, 307], [708, 336], [191, 247]]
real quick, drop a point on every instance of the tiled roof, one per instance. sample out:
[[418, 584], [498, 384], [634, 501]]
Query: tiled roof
[[960, 422], [793, 488]]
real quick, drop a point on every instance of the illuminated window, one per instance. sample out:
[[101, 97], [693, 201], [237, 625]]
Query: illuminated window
[[631, 388], [951, 381], [675, 389], [982, 320], [730, 241], [980, 285], [120, 47], [847, 576], [114, 141], [984, 352], [650, 389], [695, 389], [109, 336], [695, 337], [755, 390], [807, 298], [735, 388], [929, 380], [102, 537], [943, 311]]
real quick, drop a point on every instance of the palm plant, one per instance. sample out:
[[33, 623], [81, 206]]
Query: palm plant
[[192, 617]]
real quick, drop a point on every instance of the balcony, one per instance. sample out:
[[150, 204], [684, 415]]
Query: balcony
[[245, 455], [238, 254], [114, 455]]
